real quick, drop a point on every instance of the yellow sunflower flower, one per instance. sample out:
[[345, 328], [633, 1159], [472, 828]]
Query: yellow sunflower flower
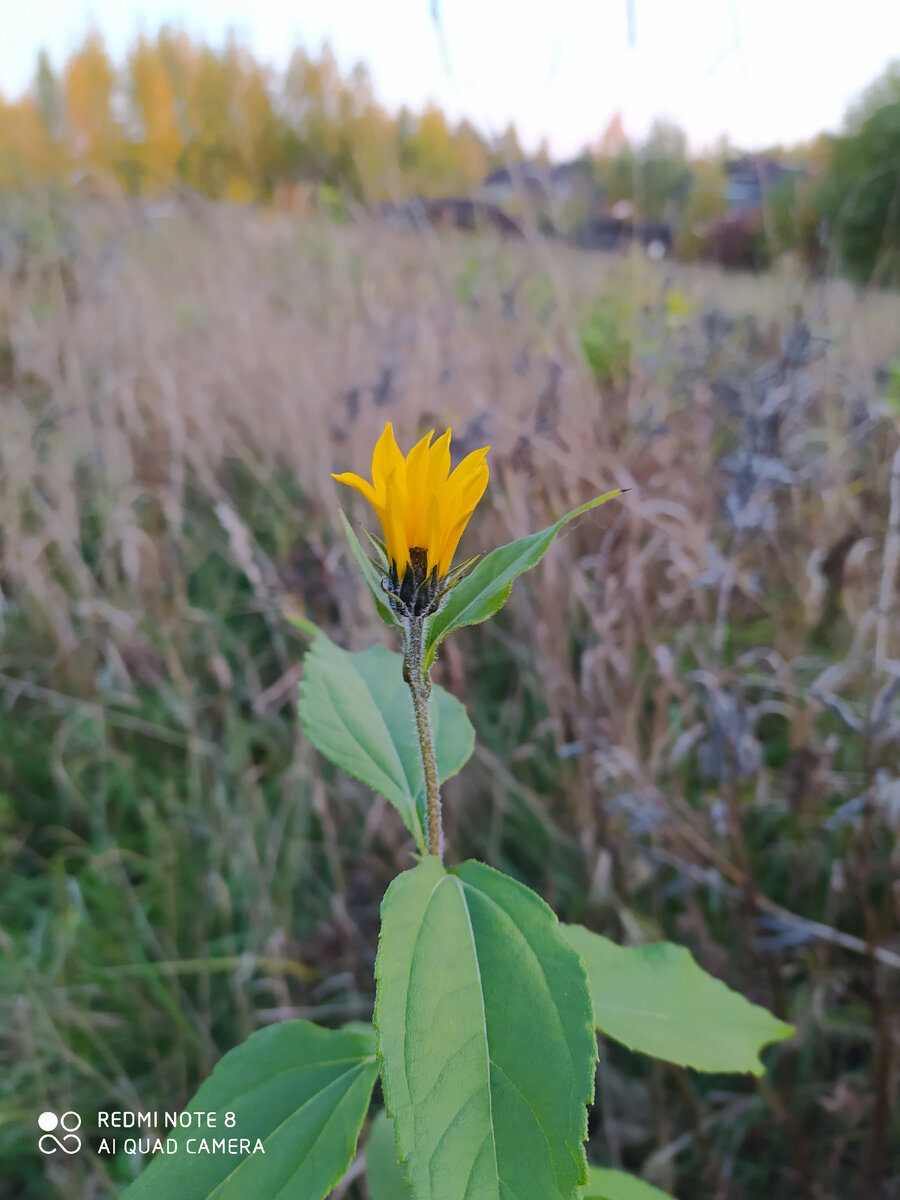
[[422, 505]]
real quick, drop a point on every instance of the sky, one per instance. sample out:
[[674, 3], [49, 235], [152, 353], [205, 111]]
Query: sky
[[759, 71]]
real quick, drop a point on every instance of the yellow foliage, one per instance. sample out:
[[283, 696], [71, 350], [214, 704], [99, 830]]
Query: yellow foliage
[[217, 121], [88, 88], [26, 154], [153, 100]]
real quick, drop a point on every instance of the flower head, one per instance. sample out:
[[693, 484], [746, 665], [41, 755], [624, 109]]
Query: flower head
[[422, 505]]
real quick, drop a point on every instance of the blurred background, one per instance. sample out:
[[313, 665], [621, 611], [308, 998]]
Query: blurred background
[[627, 244]]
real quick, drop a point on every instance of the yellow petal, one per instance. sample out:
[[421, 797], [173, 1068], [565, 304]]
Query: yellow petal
[[416, 515], [461, 503], [392, 521], [433, 533], [466, 485], [469, 468], [439, 462], [449, 543], [386, 457], [357, 481]]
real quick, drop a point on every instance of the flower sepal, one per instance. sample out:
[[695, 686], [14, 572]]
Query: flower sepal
[[381, 563], [419, 594]]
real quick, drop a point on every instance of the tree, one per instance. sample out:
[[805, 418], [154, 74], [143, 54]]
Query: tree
[[860, 194], [23, 145], [617, 177], [256, 127], [705, 203], [431, 152], [317, 141], [882, 93], [664, 177], [32, 132], [471, 154], [372, 137], [612, 141], [506, 149], [88, 86], [156, 142], [211, 156], [49, 99]]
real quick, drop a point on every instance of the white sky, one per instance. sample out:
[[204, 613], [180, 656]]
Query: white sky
[[761, 71]]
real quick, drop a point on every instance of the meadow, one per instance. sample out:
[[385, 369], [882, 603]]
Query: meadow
[[688, 716]]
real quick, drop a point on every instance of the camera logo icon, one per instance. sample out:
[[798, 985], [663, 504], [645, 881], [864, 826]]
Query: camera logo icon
[[68, 1141]]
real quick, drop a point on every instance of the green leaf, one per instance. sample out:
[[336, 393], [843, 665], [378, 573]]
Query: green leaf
[[657, 1000], [301, 1090], [608, 1184], [385, 1177], [356, 710], [483, 1023], [486, 589], [368, 572]]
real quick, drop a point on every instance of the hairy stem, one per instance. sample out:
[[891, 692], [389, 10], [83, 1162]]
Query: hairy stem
[[419, 683]]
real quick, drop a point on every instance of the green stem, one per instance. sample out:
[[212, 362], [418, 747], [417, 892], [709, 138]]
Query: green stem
[[419, 683]]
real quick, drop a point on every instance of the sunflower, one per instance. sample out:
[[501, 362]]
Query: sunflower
[[423, 508]]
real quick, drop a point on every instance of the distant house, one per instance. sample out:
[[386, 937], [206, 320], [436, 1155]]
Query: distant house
[[568, 203], [750, 180], [549, 190], [523, 179], [738, 239], [619, 231], [448, 212]]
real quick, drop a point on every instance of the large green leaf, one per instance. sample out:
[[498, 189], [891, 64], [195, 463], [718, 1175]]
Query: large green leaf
[[301, 1090], [486, 589], [483, 1023], [657, 1000], [385, 1177], [609, 1184], [368, 572], [357, 711]]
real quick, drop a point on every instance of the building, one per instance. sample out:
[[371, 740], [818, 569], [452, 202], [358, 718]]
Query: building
[[751, 180], [554, 194]]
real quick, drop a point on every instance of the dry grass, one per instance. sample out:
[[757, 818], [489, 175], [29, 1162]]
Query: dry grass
[[688, 716]]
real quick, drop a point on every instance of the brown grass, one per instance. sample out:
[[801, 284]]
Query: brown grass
[[676, 713]]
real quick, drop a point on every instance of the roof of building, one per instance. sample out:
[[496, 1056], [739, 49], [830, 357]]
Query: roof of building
[[768, 170], [533, 175]]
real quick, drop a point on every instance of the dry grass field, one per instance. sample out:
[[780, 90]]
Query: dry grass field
[[688, 716]]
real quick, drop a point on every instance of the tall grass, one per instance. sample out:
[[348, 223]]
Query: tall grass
[[688, 717]]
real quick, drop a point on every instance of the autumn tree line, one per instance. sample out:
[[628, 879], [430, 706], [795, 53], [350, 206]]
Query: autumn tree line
[[179, 113]]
